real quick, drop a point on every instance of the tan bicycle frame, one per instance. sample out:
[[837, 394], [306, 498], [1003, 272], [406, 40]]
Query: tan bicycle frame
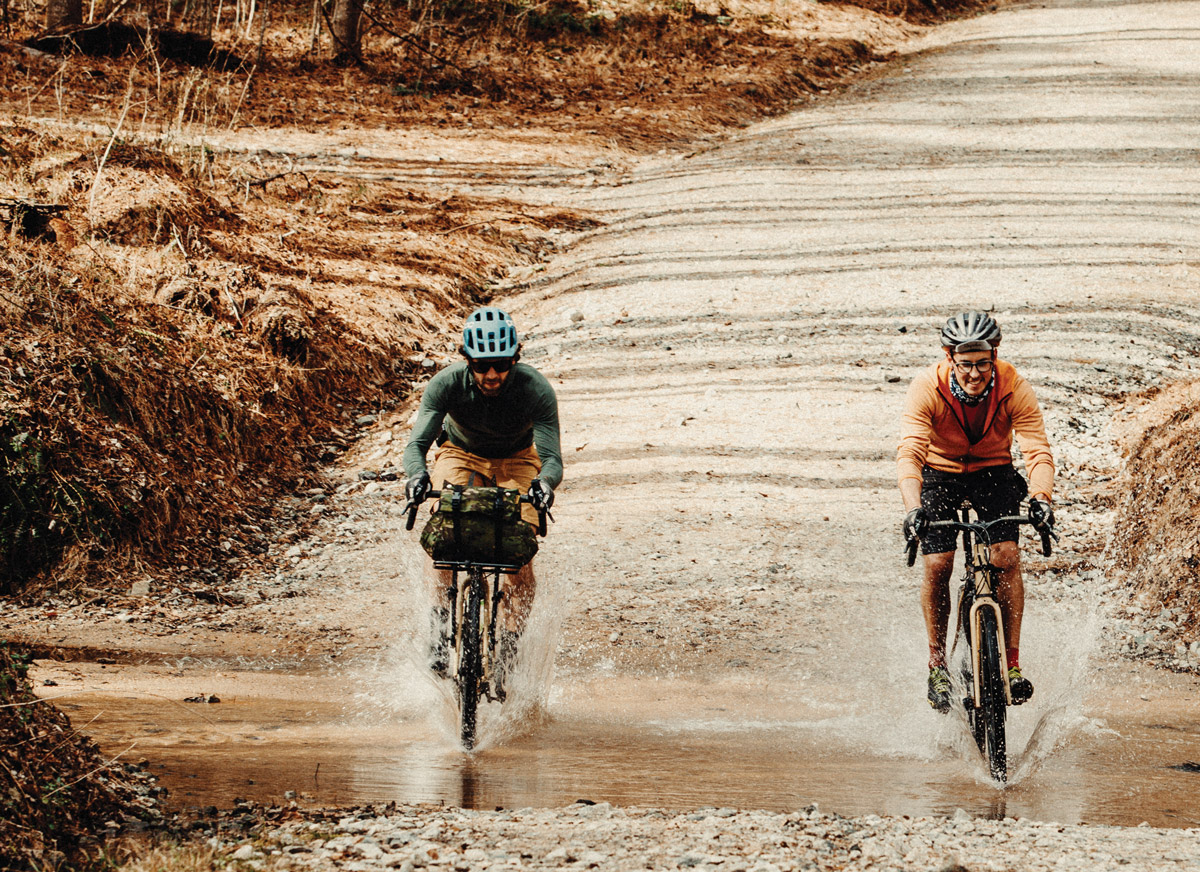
[[983, 587]]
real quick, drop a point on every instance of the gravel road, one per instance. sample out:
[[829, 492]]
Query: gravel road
[[731, 352], [725, 839]]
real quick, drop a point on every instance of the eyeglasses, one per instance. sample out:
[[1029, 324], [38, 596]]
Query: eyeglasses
[[501, 365], [965, 366]]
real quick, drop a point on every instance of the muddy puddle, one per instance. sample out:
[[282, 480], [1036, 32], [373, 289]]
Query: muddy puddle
[[374, 738]]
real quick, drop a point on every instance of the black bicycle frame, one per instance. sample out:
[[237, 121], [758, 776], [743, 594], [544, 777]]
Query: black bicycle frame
[[488, 576]]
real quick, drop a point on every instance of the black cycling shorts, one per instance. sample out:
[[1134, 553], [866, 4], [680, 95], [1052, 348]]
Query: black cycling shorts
[[994, 492]]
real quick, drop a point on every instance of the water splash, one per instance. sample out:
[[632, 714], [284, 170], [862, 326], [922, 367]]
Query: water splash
[[532, 677], [882, 698], [400, 685], [1063, 642]]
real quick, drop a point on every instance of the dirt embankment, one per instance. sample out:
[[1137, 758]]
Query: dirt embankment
[[638, 73], [185, 333], [185, 353], [1156, 538]]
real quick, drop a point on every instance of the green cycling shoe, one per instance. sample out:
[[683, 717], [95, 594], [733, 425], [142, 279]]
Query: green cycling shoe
[[939, 689], [1019, 687]]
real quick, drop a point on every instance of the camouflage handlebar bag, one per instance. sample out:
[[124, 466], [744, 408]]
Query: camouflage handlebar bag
[[479, 525]]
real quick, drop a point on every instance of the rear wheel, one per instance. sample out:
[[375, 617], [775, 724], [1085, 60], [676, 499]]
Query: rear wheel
[[993, 705], [470, 660]]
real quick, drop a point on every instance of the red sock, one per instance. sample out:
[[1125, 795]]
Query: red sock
[[936, 658], [1011, 654]]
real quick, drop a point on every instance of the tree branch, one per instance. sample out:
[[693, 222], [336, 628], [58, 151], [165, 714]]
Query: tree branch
[[408, 39]]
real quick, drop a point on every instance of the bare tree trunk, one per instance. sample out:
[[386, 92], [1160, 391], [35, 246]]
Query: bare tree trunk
[[63, 13], [347, 15]]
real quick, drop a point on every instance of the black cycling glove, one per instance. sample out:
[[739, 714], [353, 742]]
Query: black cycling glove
[[541, 495], [1041, 514], [916, 523], [418, 487]]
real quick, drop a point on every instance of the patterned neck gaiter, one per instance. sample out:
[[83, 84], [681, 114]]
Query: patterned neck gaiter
[[965, 398]]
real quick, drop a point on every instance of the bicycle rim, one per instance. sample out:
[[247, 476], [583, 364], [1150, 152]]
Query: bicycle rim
[[993, 706], [470, 664]]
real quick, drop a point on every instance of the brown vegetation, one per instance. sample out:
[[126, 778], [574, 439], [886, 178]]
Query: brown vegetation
[[184, 334], [195, 355], [635, 73], [60, 795]]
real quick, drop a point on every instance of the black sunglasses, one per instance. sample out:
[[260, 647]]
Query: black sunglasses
[[965, 366], [501, 365]]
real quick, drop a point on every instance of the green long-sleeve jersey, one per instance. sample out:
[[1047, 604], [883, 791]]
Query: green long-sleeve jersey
[[524, 413]]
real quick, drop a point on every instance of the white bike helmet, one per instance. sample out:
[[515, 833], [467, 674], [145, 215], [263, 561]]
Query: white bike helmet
[[971, 331], [489, 332]]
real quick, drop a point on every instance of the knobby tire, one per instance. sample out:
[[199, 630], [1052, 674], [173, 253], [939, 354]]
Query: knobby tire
[[993, 708], [470, 663]]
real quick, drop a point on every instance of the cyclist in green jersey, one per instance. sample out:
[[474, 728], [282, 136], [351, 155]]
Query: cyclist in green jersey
[[490, 415]]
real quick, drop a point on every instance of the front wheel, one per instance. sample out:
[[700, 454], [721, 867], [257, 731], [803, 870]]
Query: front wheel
[[470, 660], [989, 716]]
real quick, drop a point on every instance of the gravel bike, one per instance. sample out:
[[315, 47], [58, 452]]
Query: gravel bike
[[474, 660], [980, 625]]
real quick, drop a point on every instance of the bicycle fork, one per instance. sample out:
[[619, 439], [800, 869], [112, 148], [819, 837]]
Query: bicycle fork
[[487, 633], [489, 603], [976, 608], [984, 598], [456, 615]]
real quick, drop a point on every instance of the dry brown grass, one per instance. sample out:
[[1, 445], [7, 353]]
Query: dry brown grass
[[163, 379], [60, 792], [221, 320], [180, 858], [638, 73]]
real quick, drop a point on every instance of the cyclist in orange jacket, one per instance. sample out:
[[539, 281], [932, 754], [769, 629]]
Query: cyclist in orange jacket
[[960, 417]]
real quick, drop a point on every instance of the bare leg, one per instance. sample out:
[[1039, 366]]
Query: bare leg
[[440, 580], [519, 589], [935, 603], [1010, 590]]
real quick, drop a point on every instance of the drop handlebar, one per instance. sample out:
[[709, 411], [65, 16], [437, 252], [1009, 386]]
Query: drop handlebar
[[410, 509], [981, 528]]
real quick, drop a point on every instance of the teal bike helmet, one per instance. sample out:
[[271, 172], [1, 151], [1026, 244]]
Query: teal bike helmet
[[489, 332]]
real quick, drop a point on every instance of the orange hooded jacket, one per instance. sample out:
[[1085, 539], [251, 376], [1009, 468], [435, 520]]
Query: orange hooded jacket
[[933, 432]]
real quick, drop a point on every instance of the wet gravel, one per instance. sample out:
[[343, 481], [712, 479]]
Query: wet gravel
[[599, 836]]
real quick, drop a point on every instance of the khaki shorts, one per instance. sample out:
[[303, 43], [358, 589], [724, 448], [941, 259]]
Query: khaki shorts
[[454, 465]]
